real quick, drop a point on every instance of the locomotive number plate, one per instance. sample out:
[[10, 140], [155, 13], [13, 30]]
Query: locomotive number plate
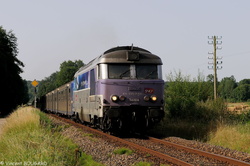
[[134, 100], [149, 90]]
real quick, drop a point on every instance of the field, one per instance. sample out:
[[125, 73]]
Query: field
[[238, 107], [235, 132]]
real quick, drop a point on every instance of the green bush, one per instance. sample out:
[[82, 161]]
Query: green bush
[[210, 110], [186, 98], [234, 118]]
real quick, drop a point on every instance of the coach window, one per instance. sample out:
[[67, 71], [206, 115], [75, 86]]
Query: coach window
[[92, 82]]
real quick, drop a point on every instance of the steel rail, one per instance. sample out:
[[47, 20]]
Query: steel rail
[[203, 153]]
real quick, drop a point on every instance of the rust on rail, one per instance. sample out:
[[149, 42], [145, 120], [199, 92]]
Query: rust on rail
[[202, 153]]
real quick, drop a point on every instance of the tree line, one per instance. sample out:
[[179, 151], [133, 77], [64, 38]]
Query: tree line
[[192, 98], [14, 89], [233, 91], [61, 77]]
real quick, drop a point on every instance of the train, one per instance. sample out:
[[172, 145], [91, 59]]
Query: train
[[122, 89]]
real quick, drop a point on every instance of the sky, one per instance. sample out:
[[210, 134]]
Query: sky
[[50, 32]]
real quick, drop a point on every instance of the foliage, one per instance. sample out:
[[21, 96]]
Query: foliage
[[241, 93], [29, 135], [182, 94], [14, 88], [210, 110], [67, 71], [25, 92], [48, 84], [231, 91], [191, 111], [226, 87], [210, 78], [123, 151], [55, 80], [244, 81], [234, 118]]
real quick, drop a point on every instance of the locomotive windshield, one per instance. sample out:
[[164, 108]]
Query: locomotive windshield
[[133, 71], [116, 71], [146, 72]]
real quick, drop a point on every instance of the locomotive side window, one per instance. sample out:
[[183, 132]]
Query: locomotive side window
[[159, 71], [102, 71], [146, 72], [118, 71]]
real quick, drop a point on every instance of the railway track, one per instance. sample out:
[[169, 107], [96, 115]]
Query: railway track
[[191, 155], [167, 152], [202, 153]]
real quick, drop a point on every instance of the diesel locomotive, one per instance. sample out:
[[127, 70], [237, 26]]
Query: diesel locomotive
[[120, 90]]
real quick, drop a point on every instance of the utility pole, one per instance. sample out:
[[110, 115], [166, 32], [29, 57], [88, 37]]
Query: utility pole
[[215, 59]]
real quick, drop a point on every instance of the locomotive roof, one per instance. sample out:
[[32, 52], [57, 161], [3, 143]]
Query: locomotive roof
[[131, 48], [124, 54]]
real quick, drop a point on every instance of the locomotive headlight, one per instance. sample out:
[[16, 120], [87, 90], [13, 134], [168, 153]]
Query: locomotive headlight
[[114, 98], [146, 98], [122, 98], [153, 98]]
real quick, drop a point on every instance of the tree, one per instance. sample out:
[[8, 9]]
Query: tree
[[47, 85], [25, 92], [12, 86], [210, 78], [226, 87], [244, 81], [55, 80], [242, 92], [67, 71]]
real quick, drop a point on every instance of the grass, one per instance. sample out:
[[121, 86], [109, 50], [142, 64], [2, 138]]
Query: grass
[[142, 164], [235, 137], [29, 136], [123, 151], [192, 130]]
